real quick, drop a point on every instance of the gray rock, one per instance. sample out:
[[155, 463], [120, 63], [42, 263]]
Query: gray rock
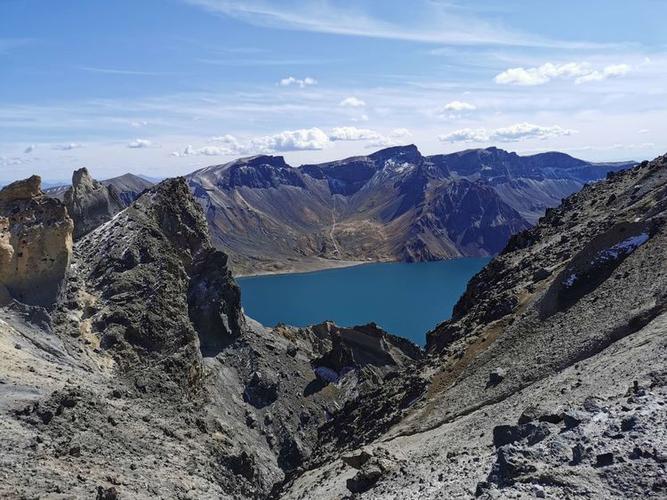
[[90, 203]]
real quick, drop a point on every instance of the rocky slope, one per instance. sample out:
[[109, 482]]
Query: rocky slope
[[548, 381], [144, 379], [394, 204]]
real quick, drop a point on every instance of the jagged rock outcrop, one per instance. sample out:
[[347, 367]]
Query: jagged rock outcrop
[[35, 244], [90, 203], [392, 205], [151, 380], [158, 283]]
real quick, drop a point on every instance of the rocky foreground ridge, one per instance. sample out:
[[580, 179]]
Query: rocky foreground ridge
[[142, 378]]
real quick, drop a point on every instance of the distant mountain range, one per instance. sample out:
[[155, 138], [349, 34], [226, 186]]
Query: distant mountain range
[[393, 205]]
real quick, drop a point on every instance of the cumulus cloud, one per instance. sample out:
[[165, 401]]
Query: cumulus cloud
[[353, 134], [29, 149], [203, 151], [67, 147], [459, 106], [607, 72], [512, 133], [299, 82], [292, 140], [352, 102], [139, 144], [466, 135], [220, 146], [580, 72], [400, 133], [314, 139]]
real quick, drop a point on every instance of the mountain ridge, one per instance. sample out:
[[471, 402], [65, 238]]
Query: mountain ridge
[[272, 217]]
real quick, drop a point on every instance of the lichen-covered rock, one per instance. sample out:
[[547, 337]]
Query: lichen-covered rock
[[35, 243]]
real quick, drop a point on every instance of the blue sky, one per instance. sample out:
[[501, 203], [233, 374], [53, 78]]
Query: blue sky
[[162, 87]]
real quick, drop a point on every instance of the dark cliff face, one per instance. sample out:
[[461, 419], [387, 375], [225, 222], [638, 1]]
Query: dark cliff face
[[90, 203], [394, 204]]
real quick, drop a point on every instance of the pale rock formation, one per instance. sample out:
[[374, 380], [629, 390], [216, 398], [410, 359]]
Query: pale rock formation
[[35, 243]]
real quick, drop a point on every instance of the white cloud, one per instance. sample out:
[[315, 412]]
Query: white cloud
[[300, 82], [353, 134], [612, 71], [580, 72], [466, 135], [291, 140], [382, 142], [377, 139], [138, 124], [400, 133], [222, 145], [524, 130], [139, 144], [459, 106], [67, 147], [204, 151], [512, 133], [352, 102], [312, 139], [29, 149]]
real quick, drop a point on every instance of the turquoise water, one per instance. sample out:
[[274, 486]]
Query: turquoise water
[[404, 299]]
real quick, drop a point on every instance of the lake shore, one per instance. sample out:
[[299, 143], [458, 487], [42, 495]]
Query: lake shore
[[309, 266]]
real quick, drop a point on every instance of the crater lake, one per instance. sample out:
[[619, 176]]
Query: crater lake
[[404, 299]]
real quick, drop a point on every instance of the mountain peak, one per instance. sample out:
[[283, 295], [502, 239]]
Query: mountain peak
[[408, 153], [260, 160]]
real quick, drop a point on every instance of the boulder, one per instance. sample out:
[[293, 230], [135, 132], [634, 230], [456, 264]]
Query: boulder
[[496, 376]]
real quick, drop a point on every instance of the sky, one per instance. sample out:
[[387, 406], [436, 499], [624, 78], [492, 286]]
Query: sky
[[164, 87]]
